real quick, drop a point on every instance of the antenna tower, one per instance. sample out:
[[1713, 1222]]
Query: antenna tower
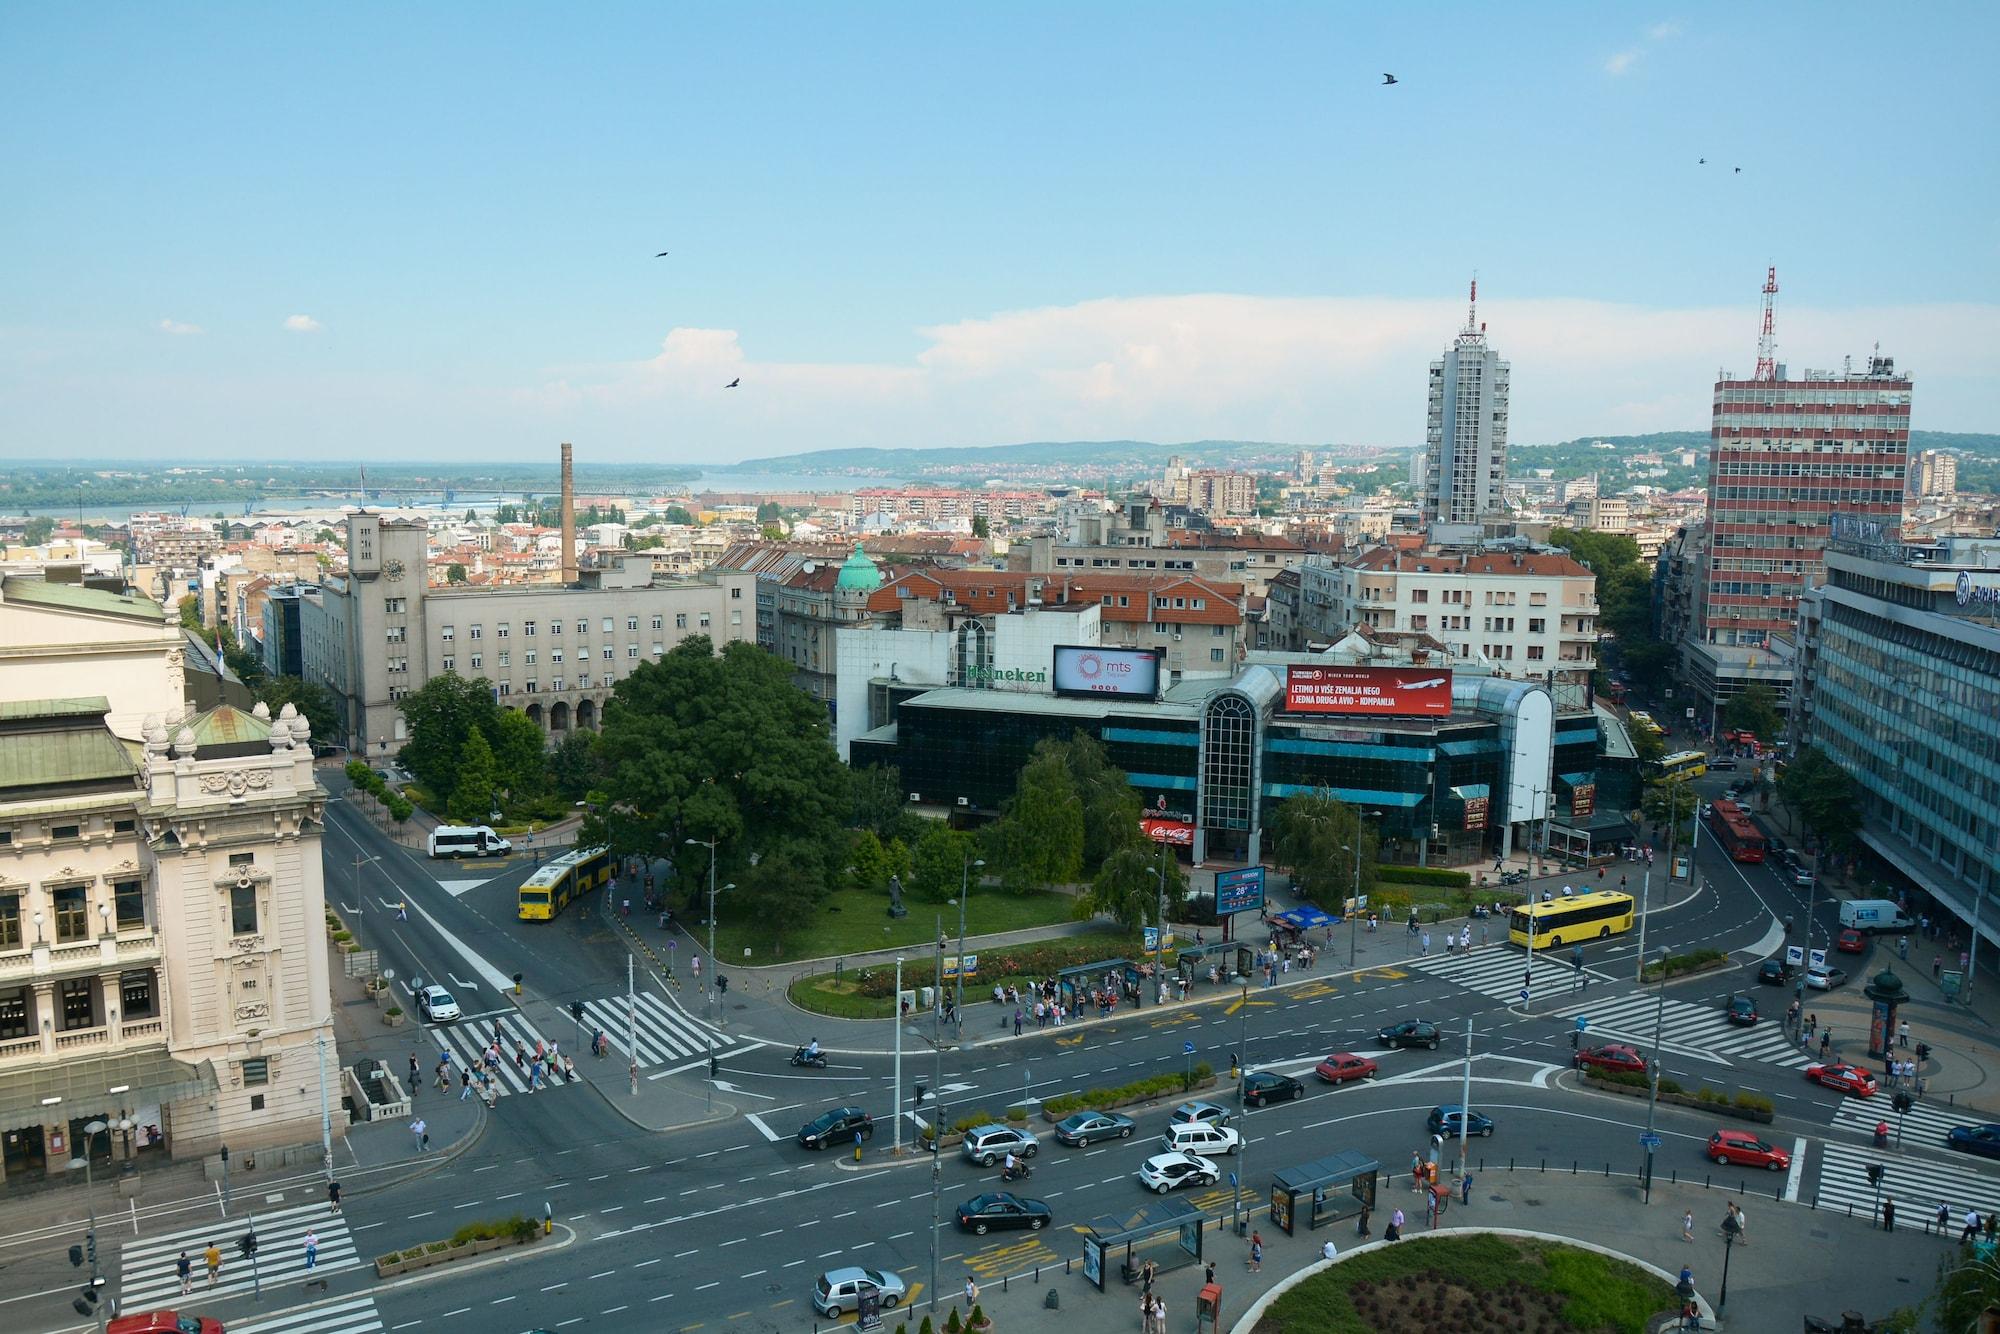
[[1473, 330], [1767, 339]]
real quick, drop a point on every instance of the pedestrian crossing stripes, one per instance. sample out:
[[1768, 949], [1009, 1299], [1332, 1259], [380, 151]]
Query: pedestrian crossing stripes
[[350, 1315], [147, 1271], [1923, 1127], [1917, 1185], [1498, 972], [1687, 1029], [665, 1036]]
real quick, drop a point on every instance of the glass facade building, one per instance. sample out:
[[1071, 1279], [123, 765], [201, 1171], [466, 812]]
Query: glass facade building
[[1902, 687]]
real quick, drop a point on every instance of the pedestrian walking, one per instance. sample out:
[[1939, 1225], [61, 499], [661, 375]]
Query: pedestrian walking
[[185, 1268], [520, 1056], [1825, 1043], [465, 1080], [1943, 1219], [1395, 1232], [1937, 967], [420, 1133], [1687, 1226], [1416, 1170], [1360, 1227], [1971, 1229], [1903, 1034], [1888, 1214], [1465, 1189], [1426, 950], [212, 1257], [971, 1292], [1465, 938], [402, 910], [416, 1074], [1208, 1272], [333, 1195], [1017, 1021], [1742, 1225], [1147, 1273], [1160, 1314], [1256, 1252], [312, 1249]]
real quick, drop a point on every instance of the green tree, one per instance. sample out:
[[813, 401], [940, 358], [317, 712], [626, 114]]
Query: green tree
[[770, 512], [190, 612], [980, 528], [454, 573], [573, 765], [520, 753], [876, 799], [1316, 835], [1111, 809], [472, 795], [784, 888], [1126, 889], [938, 863], [1823, 796], [678, 514], [38, 530], [1754, 711], [771, 532], [442, 716], [867, 861], [1664, 802], [726, 748], [313, 701], [1038, 840], [472, 516], [1647, 744]]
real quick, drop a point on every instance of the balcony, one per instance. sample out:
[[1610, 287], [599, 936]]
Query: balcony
[[47, 960]]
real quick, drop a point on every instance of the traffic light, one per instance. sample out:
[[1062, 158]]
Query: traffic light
[[1874, 1174], [922, 1089], [1902, 1102], [90, 1246], [576, 1010], [76, 1257], [246, 1245], [714, 1067], [721, 983]]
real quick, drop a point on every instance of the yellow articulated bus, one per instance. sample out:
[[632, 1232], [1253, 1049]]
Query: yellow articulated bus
[[1567, 921], [1683, 764], [549, 890]]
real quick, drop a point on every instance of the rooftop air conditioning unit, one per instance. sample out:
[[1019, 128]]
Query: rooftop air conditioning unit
[[914, 796], [965, 801]]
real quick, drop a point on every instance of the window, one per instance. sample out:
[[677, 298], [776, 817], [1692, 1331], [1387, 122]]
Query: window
[[243, 910], [256, 1071], [680, 621], [608, 625], [555, 627], [450, 663], [477, 660], [446, 633], [66, 831], [397, 634], [506, 657], [135, 996], [72, 914], [631, 623], [532, 688], [555, 655], [1534, 653], [502, 631], [1219, 630], [704, 620], [583, 682], [659, 649], [631, 650], [1536, 625], [610, 651], [556, 684], [130, 898], [79, 1003], [506, 688], [528, 657], [10, 922], [736, 618], [396, 606], [527, 629], [477, 631], [735, 593], [657, 618], [14, 1013], [1217, 655]]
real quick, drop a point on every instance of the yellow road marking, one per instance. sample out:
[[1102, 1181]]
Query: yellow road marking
[[1069, 1042], [1178, 1017], [1242, 1001], [1313, 990], [1387, 974]]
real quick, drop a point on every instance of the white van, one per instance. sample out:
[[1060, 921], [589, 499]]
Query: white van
[[1201, 1138], [1875, 915], [453, 840]]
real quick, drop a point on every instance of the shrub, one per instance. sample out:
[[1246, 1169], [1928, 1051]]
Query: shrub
[[1016, 1115], [926, 1327], [394, 1011], [952, 1323], [1753, 1102], [1154, 1086], [978, 1317], [1704, 1094], [1422, 875], [1670, 1085]]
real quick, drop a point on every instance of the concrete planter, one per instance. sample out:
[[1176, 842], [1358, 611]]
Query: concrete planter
[[1199, 1085], [1719, 1107], [1653, 973], [432, 1255]]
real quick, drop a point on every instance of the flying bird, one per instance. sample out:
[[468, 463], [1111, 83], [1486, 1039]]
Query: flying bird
[[1701, 161], [733, 383], [1388, 79], [1738, 171], [663, 254]]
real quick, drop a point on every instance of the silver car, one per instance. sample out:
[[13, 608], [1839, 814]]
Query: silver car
[[838, 1291], [987, 1145]]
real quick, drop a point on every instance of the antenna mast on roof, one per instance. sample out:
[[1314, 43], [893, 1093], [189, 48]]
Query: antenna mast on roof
[[1473, 331], [1767, 339]]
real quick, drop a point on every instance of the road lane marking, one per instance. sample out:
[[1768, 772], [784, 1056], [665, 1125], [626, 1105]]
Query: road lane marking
[[758, 1121]]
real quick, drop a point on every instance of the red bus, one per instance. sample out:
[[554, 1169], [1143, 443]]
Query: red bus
[[1735, 832]]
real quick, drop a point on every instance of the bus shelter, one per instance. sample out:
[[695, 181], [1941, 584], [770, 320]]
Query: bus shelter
[[1075, 983], [1323, 1191], [1229, 958], [1167, 1231]]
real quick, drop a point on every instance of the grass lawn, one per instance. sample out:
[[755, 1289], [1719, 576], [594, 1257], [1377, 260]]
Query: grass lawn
[[844, 997], [1473, 1284], [853, 921]]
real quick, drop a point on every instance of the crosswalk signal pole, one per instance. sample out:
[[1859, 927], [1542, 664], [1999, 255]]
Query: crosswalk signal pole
[[632, 1022]]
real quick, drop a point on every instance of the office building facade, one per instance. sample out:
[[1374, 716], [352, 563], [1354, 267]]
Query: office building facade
[[1465, 434]]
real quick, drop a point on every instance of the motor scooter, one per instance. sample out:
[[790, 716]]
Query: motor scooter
[[817, 1059], [1017, 1172]]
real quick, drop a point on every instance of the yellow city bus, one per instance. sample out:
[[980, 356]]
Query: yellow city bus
[[549, 890], [1684, 764], [1566, 921]]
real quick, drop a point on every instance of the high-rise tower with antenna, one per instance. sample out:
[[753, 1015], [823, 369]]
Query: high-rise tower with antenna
[[1465, 438]]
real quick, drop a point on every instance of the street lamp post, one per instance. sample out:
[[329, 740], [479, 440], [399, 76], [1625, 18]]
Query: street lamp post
[[1812, 901], [937, 1096], [1465, 1103], [1653, 1094], [958, 989], [1645, 910], [897, 1131], [1729, 1231], [1242, 1111], [90, 1134], [708, 994]]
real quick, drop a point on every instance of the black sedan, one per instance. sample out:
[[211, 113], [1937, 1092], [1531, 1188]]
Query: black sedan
[[1982, 1140], [1262, 1087], [837, 1126], [982, 1213], [1741, 1011], [1411, 1033], [1775, 972]]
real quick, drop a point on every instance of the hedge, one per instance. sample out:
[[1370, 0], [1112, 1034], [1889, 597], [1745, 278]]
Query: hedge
[[1422, 875], [1676, 964], [520, 1227], [1037, 959], [1154, 1086], [1754, 1102]]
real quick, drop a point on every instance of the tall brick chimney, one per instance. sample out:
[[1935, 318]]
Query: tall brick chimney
[[568, 518]]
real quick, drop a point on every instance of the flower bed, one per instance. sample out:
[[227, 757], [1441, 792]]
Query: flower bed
[[470, 1240], [1743, 1105]]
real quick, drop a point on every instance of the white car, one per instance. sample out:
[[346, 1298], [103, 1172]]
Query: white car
[[1164, 1171], [436, 1005], [1200, 1138]]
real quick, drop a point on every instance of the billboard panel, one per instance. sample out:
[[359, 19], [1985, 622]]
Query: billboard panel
[[1130, 672], [1475, 812], [1168, 831], [1387, 692], [1239, 891]]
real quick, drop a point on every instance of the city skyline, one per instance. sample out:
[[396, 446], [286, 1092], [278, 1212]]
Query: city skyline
[[315, 233]]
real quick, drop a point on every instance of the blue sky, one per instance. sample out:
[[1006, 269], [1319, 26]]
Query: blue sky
[[371, 231]]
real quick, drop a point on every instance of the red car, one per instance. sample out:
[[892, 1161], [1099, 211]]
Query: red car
[[1846, 1078], [1851, 941], [1746, 1150], [1617, 1056], [1345, 1065]]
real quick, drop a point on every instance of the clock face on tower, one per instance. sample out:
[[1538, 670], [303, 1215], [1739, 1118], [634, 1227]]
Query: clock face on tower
[[393, 569]]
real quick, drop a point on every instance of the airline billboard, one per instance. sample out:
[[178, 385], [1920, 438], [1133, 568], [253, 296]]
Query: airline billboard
[[1386, 692]]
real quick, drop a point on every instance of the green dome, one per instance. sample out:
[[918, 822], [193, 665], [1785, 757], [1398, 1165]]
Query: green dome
[[859, 573]]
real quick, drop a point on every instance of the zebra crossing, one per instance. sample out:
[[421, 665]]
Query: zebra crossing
[[148, 1277], [350, 1315], [1918, 1185], [1924, 1127], [665, 1037], [1498, 972], [1686, 1029]]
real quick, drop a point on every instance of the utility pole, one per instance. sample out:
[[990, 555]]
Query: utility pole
[[1242, 1110], [1645, 906], [937, 1127], [325, 1108], [1653, 1098], [632, 1008], [1160, 922], [1465, 1101], [958, 990], [1354, 904], [1812, 898], [708, 995], [898, 1075]]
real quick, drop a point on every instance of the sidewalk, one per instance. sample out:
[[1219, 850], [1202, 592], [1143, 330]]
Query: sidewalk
[[1792, 1258]]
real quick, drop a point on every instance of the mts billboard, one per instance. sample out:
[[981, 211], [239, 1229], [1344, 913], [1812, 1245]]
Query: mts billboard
[[1382, 692]]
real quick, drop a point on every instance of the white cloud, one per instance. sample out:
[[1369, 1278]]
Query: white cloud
[[302, 324], [177, 328], [1621, 62], [1660, 32], [1221, 366]]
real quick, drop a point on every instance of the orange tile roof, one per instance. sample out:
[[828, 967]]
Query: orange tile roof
[[999, 591]]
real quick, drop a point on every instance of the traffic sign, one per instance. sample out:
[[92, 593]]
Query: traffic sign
[[1582, 1024], [1649, 1141], [1187, 1049]]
